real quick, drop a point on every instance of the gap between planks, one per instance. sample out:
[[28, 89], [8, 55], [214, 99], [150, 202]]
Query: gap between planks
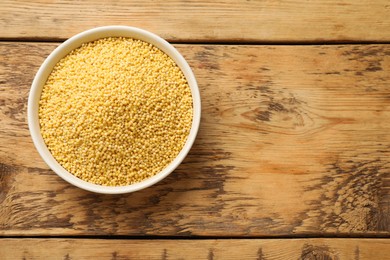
[[217, 42], [195, 237]]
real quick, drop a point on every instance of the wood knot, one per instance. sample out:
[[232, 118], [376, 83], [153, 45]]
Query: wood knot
[[280, 110], [312, 252], [355, 201]]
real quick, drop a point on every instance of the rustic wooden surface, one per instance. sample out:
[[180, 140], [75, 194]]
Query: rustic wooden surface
[[294, 140], [222, 20], [261, 249]]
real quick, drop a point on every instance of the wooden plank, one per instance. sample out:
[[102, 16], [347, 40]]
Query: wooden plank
[[294, 140], [223, 20], [304, 249]]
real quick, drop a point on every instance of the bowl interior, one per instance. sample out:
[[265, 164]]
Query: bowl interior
[[75, 42]]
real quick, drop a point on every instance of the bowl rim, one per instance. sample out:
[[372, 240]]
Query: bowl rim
[[75, 42]]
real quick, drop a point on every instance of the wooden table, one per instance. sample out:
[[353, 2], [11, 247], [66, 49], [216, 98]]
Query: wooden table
[[292, 160]]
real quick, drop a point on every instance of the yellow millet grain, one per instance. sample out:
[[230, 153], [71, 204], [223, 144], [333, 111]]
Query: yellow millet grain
[[115, 111]]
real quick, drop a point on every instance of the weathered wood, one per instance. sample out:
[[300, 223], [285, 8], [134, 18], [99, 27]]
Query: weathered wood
[[293, 140], [304, 249], [223, 20]]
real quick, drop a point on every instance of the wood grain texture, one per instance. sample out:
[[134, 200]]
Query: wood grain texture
[[222, 20], [294, 140], [260, 249]]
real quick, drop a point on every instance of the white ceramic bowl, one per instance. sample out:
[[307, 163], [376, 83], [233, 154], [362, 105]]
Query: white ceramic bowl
[[75, 42]]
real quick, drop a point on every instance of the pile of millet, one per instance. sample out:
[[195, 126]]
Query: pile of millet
[[115, 111]]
